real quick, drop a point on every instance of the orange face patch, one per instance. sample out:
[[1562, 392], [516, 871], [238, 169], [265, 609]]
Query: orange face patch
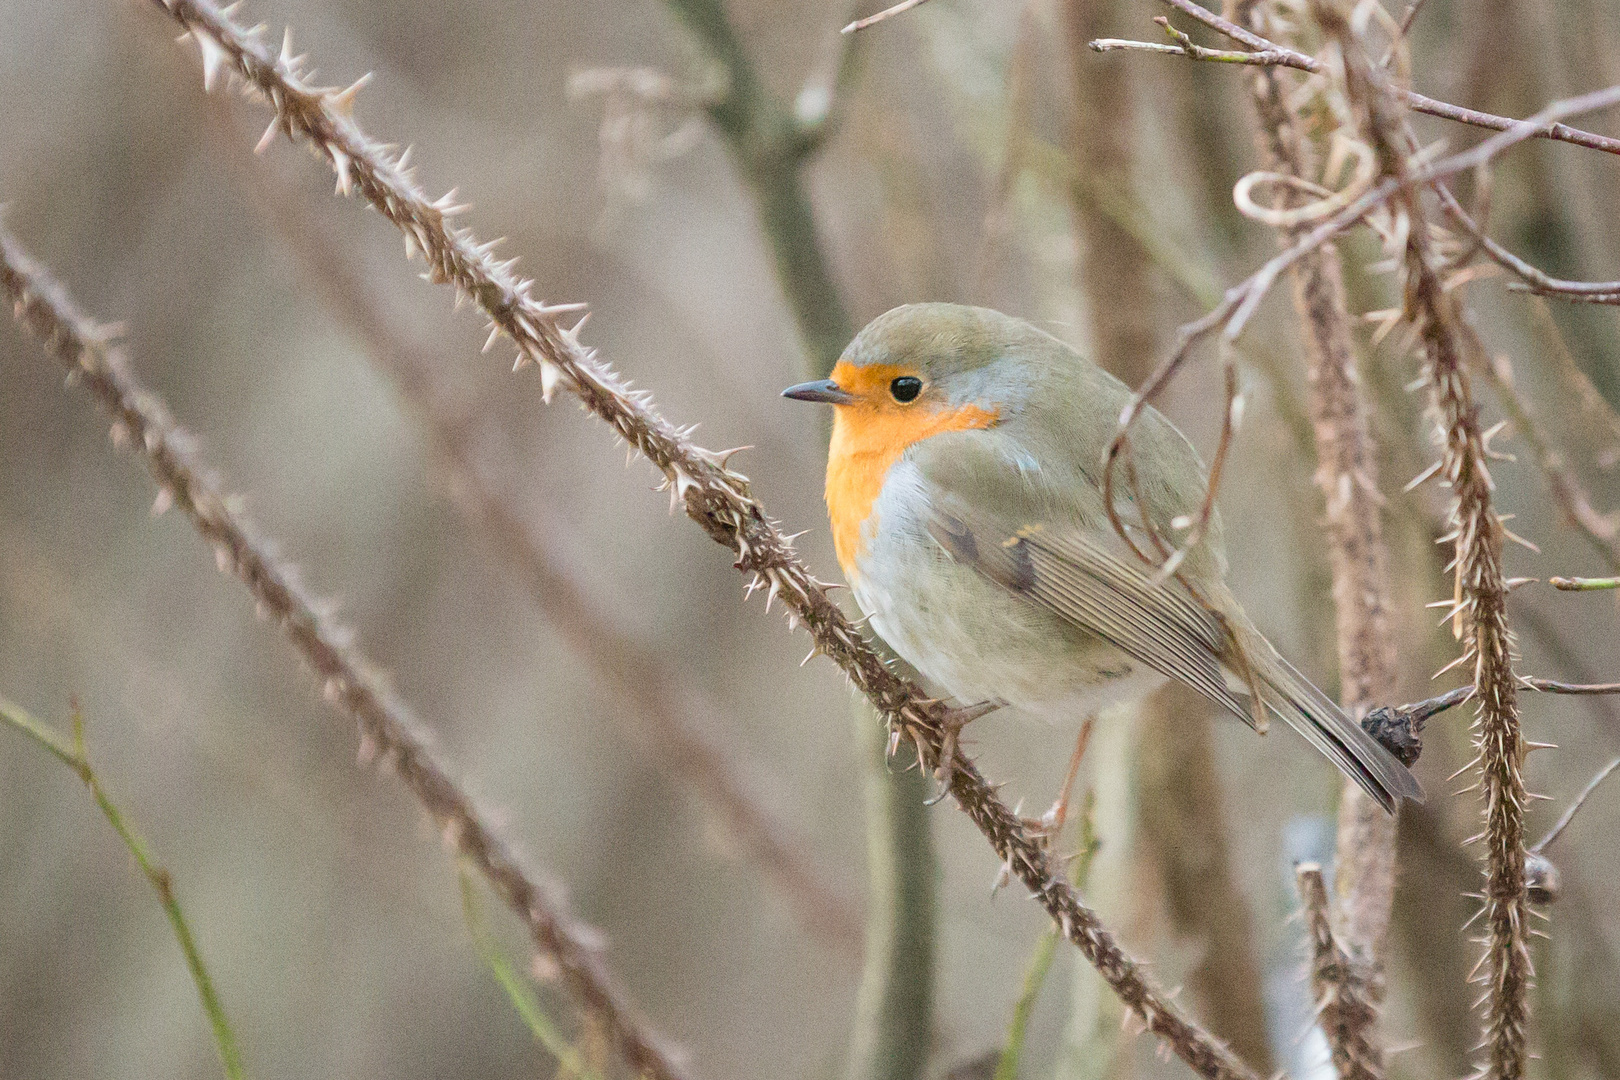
[[868, 437]]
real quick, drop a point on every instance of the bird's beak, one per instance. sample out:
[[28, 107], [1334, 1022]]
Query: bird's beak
[[821, 390]]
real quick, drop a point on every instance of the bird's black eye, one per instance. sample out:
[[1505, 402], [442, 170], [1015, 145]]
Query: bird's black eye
[[906, 388]]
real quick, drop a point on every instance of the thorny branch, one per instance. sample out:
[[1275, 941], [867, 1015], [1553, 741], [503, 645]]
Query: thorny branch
[[389, 733], [711, 494], [1477, 536], [1343, 1012], [662, 708]]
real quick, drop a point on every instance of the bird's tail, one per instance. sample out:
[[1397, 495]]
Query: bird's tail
[[1296, 701]]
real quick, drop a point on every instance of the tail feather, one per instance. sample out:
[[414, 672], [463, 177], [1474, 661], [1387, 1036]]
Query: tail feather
[[1298, 703]]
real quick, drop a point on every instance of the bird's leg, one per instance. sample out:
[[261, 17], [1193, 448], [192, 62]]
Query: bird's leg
[[1050, 824]]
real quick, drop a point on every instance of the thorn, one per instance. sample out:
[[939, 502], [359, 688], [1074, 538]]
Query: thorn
[[268, 137], [213, 57], [495, 333], [164, 500], [342, 102], [340, 163], [550, 375]]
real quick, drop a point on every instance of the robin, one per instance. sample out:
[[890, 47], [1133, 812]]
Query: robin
[[964, 488]]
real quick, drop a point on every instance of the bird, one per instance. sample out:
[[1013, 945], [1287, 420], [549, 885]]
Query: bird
[[964, 490]]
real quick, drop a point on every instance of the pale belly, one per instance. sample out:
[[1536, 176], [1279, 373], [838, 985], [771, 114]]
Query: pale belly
[[977, 642]]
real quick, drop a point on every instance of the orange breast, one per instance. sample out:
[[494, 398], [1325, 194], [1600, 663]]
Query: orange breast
[[868, 437]]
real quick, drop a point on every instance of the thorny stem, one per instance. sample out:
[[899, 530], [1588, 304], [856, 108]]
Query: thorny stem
[[1347, 473], [1477, 536], [389, 732], [1346, 1018], [716, 498], [75, 756], [664, 710]]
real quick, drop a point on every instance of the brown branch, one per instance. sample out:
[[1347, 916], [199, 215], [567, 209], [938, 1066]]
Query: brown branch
[[1535, 279], [1343, 1001], [662, 709], [1347, 473], [1574, 808], [713, 496], [1477, 536], [389, 732], [887, 13], [1417, 102]]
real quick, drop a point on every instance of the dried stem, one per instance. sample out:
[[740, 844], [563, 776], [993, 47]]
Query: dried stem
[[1477, 535], [389, 732], [75, 756], [1342, 1010], [1347, 473], [713, 496], [663, 710], [1575, 807], [887, 13]]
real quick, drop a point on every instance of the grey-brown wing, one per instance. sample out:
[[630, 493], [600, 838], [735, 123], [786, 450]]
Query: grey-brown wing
[[1165, 627], [1160, 625]]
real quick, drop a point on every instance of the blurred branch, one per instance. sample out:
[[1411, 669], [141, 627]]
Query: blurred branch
[[892, 1034], [1535, 280], [1575, 807], [1181, 821], [1281, 56], [717, 499], [770, 146], [518, 991], [661, 707], [388, 731], [1343, 1009], [76, 757], [1347, 474], [1477, 538]]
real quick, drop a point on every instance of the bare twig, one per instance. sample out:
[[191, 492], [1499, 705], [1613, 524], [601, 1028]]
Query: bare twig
[[1548, 128], [1343, 1007], [662, 708], [1575, 807], [1584, 584], [75, 755], [1535, 279], [389, 732], [889, 12], [716, 498]]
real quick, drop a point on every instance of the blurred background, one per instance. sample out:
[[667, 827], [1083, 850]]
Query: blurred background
[[285, 330]]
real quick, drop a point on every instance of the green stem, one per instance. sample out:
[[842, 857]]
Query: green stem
[[518, 992], [74, 756], [1040, 962]]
